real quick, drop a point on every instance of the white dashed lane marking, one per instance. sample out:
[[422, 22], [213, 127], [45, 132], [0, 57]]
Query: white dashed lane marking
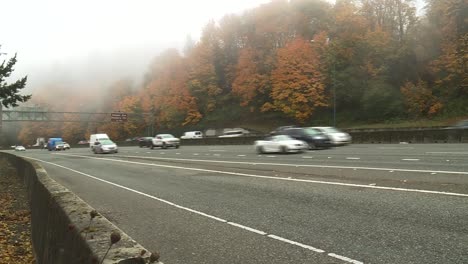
[[344, 258], [249, 229], [352, 158], [410, 159]]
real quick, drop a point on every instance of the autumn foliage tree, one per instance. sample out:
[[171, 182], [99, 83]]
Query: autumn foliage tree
[[298, 83], [419, 99], [250, 83], [286, 61]]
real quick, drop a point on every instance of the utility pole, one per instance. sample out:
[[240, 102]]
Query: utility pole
[[334, 91]]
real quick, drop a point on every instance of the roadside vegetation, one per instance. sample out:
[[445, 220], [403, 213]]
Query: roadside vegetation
[[287, 62], [15, 219]]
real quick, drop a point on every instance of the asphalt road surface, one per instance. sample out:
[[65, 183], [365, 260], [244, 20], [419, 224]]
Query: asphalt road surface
[[227, 204]]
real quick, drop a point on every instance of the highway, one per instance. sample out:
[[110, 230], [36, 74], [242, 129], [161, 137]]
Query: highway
[[405, 203]]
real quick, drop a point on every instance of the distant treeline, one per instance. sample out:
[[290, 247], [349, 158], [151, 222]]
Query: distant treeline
[[288, 60]]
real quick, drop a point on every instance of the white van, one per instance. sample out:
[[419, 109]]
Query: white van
[[97, 137], [192, 134]]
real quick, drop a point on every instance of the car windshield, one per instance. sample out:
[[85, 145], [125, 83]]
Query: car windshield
[[166, 136], [107, 142], [59, 143], [312, 131], [330, 130], [282, 137]]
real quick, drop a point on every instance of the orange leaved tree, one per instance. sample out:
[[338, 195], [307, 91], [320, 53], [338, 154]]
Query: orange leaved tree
[[298, 83]]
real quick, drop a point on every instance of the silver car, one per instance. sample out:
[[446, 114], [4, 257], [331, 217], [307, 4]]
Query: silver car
[[104, 146], [336, 136], [164, 141]]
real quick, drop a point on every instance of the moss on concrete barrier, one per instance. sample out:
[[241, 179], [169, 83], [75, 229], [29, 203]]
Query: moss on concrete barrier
[[64, 231]]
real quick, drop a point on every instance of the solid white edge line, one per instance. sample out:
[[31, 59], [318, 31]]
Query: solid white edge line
[[317, 250], [248, 228], [344, 258], [132, 190], [277, 178], [297, 244]]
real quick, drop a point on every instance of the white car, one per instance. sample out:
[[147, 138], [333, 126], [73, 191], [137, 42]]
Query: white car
[[336, 136], [280, 144], [164, 141], [104, 146], [66, 145], [20, 148], [232, 133]]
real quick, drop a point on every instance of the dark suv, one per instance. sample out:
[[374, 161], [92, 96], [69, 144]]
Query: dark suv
[[145, 142], [314, 138]]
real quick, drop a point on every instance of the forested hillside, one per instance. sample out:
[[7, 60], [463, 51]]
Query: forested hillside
[[293, 62]]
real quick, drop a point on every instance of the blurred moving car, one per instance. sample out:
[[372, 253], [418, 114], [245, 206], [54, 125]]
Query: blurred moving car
[[96, 138], [52, 142], [314, 138], [462, 124], [59, 145], [278, 130], [145, 142], [164, 141], [232, 133], [192, 135], [83, 142], [104, 146], [20, 148], [66, 145], [280, 144], [336, 136]]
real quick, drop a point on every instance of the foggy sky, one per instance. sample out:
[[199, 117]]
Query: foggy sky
[[100, 40]]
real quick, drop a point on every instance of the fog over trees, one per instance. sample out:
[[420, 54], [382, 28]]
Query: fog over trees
[[283, 62]]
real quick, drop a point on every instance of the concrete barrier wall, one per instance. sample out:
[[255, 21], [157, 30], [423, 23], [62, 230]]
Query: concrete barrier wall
[[62, 232], [412, 136]]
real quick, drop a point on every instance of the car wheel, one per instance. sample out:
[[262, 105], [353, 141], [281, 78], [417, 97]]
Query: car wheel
[[260, 150], [152, 146], [284, 149], [177, 146], [164, 146], [94, 151], [312, 145]]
